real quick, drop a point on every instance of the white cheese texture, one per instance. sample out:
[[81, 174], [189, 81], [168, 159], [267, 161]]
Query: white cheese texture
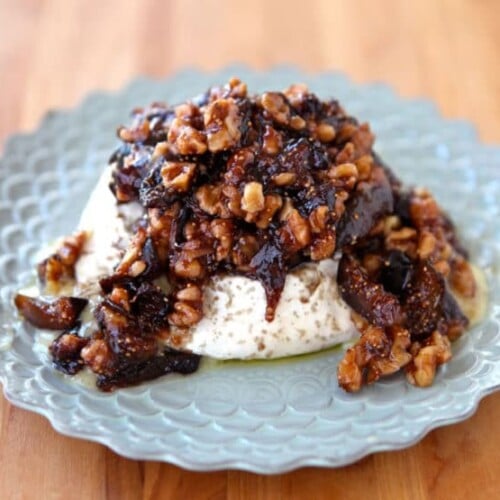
[[310, 315]]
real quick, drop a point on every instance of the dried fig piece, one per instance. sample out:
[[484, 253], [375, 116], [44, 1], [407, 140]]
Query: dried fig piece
[[169, 361], [59, 314], [422, 300], [396, 272], [365, 296], [66, 352], [366, 206]]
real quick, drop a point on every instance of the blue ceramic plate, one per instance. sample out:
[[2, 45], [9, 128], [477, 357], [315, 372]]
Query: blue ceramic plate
[[264, 417]]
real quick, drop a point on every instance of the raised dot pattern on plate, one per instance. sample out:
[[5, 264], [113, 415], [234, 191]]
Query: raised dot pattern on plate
[[260, 417]]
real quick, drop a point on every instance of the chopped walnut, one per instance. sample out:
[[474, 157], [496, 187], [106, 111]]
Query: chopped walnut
[[325, 132], [253, 199], [136, 134], [186, 138], [187, 307], [222, 122], [318, 218], [298, 228], [178, 175], [434, 351], [376, 354], [98, 356], [272, 203], [462, 278], [59, 268], [284, 179], [209, 197], [272, 142], [323, 245], [223, 232], [275, 104]]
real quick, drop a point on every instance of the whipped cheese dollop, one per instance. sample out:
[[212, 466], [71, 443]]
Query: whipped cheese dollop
[[310, 315]]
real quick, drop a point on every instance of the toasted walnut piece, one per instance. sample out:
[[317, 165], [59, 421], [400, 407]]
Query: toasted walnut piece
[[197, 247], [284, 179], [344, 175], [346, 155], [462, 278], [137, 268], [272, 142], [98, 356], [297, 122], [339, 207], [190, 293], [318, 218], [286, 210], [362, 139], [426, 245], [442, 267], [274, 103], [237, 88], [161, 150], [300, 228], [424, 211], [364, 165], [272, 203], [391, 223], [344, 171], [184, 315], [137, 134], [253, 197], [120, 297], [372, 344], [244, 250], [209, 197], [59, 268], [188, 306], [188, 269], [133, 251], [349, 373], [187, 139], [435, 351], [398, 356], [186, 111], [325, 132], [346, 131], [178, 175], [223, 231], [296, 93], [403, 239], [323, 246], [222, 122], [233, 200]]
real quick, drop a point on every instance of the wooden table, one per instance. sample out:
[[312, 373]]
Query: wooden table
[[52, 52]]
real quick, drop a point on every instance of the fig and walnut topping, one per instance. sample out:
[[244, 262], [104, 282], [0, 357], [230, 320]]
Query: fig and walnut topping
[[256, 185]]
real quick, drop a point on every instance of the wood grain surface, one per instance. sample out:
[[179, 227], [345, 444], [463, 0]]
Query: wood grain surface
[[52, 52]]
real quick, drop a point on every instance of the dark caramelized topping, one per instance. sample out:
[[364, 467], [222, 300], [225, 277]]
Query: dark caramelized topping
[[251, 185], [66, 352], [399, 276], [255, 185]]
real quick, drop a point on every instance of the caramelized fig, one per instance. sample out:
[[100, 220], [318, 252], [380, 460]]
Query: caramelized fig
[[59, 314], [366, 297], [169, 361], [366, 206], [422, 300], [66, 352]]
